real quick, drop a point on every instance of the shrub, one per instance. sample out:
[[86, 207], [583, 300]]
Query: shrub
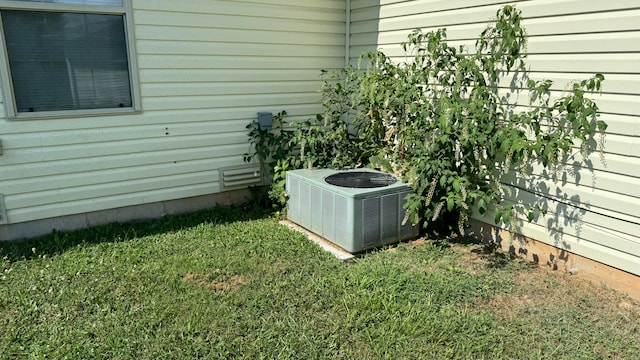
[[443, 122]]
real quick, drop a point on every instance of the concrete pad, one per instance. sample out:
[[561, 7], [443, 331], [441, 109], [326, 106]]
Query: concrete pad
[[319, 240]]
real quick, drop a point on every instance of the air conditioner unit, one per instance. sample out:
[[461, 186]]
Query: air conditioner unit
[[354, 209]]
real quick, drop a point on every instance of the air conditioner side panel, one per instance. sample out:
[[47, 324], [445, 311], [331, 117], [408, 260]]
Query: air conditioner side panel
[[389, 229], [293, 189], [370, 222], [315, 208], [328, 214], [344, 230], [305, 208]]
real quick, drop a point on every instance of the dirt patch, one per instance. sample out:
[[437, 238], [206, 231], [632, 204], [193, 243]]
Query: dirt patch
[[562, 261], [478, 258], [540, 286], [540, 289], [217, 283], [411, 244], [418, 242]]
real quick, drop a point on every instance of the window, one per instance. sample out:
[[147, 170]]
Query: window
[[67, 57]]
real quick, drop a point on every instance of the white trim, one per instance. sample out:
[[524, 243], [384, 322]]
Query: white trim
[[42, 6], [65, 114], [347, 32], [132, 56], [5, 77], [126, 11]]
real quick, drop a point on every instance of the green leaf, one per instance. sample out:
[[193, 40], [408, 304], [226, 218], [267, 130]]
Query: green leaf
[[450, 203], [482, 206], [506, 216], [518, 145], [456, 185], [602, 126], [497, 215], [506, 144]]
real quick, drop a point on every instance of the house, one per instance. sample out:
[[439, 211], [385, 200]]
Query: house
[[126, 109], [121, 109]]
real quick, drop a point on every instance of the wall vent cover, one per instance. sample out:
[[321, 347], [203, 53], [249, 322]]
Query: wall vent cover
[[355, 209], [241, 176]]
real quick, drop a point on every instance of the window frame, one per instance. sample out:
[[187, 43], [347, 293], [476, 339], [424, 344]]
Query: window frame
[[5, 72]]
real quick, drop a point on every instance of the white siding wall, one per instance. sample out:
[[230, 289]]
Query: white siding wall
[[206, 68], [568, 40]]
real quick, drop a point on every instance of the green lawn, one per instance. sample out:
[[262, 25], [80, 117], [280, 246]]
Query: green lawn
[[232, 283]]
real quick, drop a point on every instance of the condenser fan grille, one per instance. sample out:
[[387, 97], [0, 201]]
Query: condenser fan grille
[[360, 179]]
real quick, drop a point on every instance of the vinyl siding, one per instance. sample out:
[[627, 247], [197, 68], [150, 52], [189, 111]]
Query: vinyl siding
[[597, 214], [206, 67]]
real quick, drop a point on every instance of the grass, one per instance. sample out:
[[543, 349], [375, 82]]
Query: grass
[[233, 283]]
